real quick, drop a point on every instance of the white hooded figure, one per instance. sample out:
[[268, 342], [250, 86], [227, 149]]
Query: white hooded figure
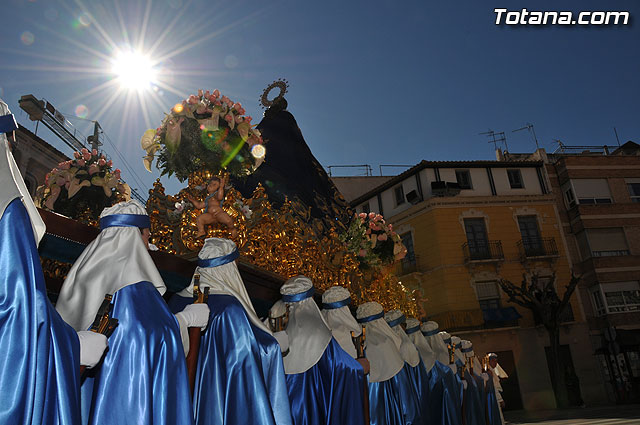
[[497, 373], [154, 373], [426, 353], [335, 309], [430, 331], [238, 354], [467, 350], [392, 393], [324, 382], [41, 353]]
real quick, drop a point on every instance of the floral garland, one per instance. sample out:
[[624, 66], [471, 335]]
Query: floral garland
[[205, 131], [373, 241], [63, 189]]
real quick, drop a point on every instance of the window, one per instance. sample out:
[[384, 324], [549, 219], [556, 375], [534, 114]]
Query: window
[[530, 235], [463, 177], [491, 304], [617, 297], [365, 208], [634, 191], [487, 290], [568, 196], [607, 242], [592, 191], [399, 194], [477, 238], [515, 179], [409, 260]]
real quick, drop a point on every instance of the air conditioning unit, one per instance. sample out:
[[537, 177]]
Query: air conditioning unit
[[413, 197]]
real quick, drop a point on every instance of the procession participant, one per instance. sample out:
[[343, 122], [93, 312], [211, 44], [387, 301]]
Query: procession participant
[[392, 397], [430, 331], [427, 355], [496, 373], [414, 366], [335, 309], [444, 403], [143, 378], [474, 412], [41, 355], [324, 382], [240, 377]]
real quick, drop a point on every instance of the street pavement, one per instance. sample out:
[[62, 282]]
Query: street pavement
[[605, 415]]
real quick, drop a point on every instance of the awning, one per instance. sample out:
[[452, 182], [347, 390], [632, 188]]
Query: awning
[[504, 314]]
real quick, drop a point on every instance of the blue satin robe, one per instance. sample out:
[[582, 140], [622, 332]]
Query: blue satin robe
[[444, 396], [330, 392], [240, 376], [420, 381], [40, 360], [394, 401], [492, 408], [143, 378], [474, 408]]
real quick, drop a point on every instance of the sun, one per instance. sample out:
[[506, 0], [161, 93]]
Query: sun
[[134, 70]]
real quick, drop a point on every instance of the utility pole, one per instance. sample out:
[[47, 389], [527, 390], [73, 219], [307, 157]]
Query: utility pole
[[95, 138]]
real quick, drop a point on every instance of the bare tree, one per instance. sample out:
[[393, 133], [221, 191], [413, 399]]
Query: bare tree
[[540, 296]]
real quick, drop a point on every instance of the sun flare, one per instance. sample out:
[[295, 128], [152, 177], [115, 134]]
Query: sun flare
[[134, 70]]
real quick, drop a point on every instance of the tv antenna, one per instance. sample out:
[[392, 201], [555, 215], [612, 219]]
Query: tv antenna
[[532, 131], [496, 137]]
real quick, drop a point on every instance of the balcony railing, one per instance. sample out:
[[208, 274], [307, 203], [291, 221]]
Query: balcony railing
[[537, 247], [482, 251], [409, 264]]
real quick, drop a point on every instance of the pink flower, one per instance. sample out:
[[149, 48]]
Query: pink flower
[[372, 225], [64, 165], [109, 163], [394, 234], [94, 152], [362, 253], [228, 117], [81, 162], [60, 181], [77, 155], [193, 100], [200, 93], [46, 179], [382, 237], [390, 227], [86, 156], [93, 168], [216, 93], [378, 217], [372, 215], [84, 150], [238, 119], [368, 232], [362, 215], [212, 98], [225, 99], [102, 162], [207, 93], [248, 119], [117, 173]]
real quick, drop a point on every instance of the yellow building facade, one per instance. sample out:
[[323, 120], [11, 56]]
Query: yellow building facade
[[469, 224]]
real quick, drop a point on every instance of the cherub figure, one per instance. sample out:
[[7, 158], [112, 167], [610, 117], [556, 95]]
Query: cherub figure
[[212, 204]]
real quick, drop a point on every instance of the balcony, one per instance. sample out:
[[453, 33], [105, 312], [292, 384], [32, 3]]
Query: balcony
[[485, 251], [533, 248]]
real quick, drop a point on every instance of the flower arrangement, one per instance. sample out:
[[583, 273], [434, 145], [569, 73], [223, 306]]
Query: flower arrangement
[[86, 182], [373, 241], [205, 131]]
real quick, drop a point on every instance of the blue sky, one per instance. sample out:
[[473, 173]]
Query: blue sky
[[377, 82]]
